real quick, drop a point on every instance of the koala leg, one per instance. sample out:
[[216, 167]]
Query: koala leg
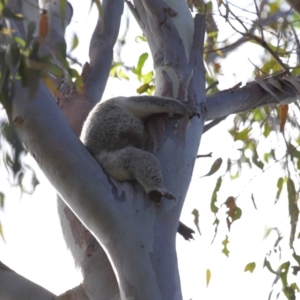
[[144, 106], [134, 164]]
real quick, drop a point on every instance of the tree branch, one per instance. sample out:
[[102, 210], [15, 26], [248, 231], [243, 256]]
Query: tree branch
[[251, 96], [213, 54], [98, 275], [158, 16], [101, 48], [62, 157], [99, 278], [259, 40], [16, 287]]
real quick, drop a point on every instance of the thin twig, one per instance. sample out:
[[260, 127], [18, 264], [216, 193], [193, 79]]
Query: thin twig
[[259, 20], [267, 47], [259, 40], [298, 44]]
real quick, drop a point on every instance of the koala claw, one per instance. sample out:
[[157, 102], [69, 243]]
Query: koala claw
[[169, 196], [192, 111]]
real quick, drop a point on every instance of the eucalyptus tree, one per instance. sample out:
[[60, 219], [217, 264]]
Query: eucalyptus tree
[[125, 244]]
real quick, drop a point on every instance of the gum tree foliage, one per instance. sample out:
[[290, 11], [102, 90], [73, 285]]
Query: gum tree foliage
[[42, 95]]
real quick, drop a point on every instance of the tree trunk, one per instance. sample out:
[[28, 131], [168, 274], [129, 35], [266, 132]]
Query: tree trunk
[[138, 237]]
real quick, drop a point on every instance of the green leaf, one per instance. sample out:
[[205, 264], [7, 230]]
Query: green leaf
[[225, 249], [215, 167], [279, 236], [293, 208], [122, 75], [253, 201], [138, 69], [284, 268], [213, 201], [5, 89], [258, 114], [269, 67], [209, 7], [274, 7], [201, 8], [195, 212], [73, 73], [293, 151], [75, 42], [267, 130], [296, 257], [250, 267], [208, 277], [280, 182], [237, 214], [266, 157], [242, 135], [7, 13], [148, 77], [1, 233], [55, 70], [278, 50], [20, 41], [30, 31], [268, 265], [289, 292], [256, 160], [295, 287], [143, 88], [216, 223], [141, 38], [114, 69], [2, 196]]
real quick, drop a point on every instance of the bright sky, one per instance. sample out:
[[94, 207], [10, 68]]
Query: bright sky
[[34, 245]]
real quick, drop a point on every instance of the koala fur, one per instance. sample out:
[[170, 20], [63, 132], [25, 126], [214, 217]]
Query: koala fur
[[115, 134]]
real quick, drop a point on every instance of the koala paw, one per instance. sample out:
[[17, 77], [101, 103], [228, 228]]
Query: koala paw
[[157, 195], [192, 111]]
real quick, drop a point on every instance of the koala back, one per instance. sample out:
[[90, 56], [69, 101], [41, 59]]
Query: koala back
[[110, 127]]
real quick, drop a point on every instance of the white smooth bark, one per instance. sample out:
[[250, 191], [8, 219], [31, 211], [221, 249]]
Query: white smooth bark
[[176, 76]]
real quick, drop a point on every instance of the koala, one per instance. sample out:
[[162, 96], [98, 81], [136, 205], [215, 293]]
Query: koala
[[114, 133]]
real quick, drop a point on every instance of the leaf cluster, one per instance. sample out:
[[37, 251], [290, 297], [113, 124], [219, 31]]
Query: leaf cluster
[[26, 59]]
